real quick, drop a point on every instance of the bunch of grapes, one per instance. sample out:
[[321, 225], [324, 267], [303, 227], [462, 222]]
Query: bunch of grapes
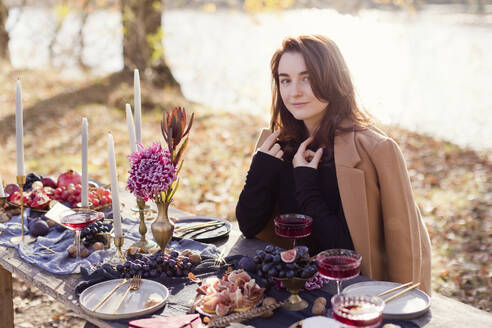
[[270, 263], [157, 266], [90, 234], [71, 194], [68, 194]]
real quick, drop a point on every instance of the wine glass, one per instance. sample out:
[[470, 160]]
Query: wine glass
[[339, 265], [357, 311], [293, 226], [78, 220]]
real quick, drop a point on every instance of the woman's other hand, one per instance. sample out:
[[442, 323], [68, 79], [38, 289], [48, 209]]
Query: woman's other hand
[[306, 157], [271, 147]]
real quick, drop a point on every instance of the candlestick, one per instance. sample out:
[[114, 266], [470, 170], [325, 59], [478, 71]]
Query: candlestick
[[19, 130], [143, 244], [21, 180], [114, 187], [131, 128], [85, 169], [2, 192], [119, 256], [137, 104]]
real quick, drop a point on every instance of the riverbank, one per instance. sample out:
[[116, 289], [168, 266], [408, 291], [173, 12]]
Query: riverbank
[[452, 185]]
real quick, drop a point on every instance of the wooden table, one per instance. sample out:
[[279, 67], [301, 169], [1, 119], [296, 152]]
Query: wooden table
[[445, 312]]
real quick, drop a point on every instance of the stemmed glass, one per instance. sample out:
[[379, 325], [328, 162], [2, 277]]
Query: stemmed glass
[[293, 226], [357, 311], [78, 220], [339, 265]]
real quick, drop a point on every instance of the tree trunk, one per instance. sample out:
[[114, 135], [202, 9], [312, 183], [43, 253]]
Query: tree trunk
[[142, 40], [4, 35]]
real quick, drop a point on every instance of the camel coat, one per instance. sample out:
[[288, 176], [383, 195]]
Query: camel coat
[[377, 200]]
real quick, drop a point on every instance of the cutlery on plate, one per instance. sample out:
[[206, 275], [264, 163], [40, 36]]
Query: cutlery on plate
[[101, 302], [401, 293], [134, 285], [198, 226], [393, 289]]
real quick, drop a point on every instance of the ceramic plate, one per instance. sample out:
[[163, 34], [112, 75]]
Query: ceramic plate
[[411, 305], [204, 235], [133, 306], [315, 322]]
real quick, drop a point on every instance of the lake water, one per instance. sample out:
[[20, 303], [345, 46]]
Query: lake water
[[430, 72]]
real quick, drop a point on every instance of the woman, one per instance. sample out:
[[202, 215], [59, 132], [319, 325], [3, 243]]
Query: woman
[[325, 159]]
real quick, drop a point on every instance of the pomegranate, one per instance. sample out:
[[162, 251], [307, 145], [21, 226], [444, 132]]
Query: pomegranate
[[11, 188], [69, 177], [48, 182]]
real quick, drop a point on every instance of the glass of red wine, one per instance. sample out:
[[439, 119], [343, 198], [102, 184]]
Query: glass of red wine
[[339, 265], [293, 226], [77, 221], [358, 311]]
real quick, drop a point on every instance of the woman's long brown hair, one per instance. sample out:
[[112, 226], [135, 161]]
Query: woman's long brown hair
[[330, 82]]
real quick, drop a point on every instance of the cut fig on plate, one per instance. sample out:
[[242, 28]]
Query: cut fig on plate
[[289, 256]]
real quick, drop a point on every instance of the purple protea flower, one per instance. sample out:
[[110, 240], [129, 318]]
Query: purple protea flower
[[151, 171]]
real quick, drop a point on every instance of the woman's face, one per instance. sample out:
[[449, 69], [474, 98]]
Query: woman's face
[[296, 92]]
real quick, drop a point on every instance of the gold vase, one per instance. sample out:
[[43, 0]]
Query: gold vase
[[162, 227]]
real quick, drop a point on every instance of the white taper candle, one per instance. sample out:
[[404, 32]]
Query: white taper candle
[[131, 128], [114, 187], [137, 105], [19, 130], [85, 159]]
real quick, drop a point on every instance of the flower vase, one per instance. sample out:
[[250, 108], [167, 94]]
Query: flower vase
[[162, 227]]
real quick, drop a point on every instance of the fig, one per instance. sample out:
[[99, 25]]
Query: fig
[[49, 182], [69, 177], [11, 188], [39, 228], [246, 263], [289, 256]]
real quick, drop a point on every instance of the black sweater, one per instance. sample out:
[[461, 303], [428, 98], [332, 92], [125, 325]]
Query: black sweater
[[274, 187]]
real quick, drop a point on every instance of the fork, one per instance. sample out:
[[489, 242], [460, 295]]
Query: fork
[[220, 259], [134, 285]]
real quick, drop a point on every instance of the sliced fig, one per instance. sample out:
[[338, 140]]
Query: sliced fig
[[289, 256]]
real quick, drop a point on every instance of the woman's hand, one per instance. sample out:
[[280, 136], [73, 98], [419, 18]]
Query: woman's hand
[[271, 147], [307, 157]]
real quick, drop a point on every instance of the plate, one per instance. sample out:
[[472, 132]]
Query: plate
[[133, 306], [411, 305], [315, 322], [204, 235]]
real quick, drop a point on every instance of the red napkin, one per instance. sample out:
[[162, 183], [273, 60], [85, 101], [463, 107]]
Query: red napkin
[[182, 321]]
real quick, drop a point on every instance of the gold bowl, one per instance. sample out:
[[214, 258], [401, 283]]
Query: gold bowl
[[294, 285]]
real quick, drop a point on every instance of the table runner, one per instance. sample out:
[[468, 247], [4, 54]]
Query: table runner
[[60, 262]]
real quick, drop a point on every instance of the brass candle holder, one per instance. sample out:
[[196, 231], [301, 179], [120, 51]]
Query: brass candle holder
[[143, 243], [118, 257], [21, 180]]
